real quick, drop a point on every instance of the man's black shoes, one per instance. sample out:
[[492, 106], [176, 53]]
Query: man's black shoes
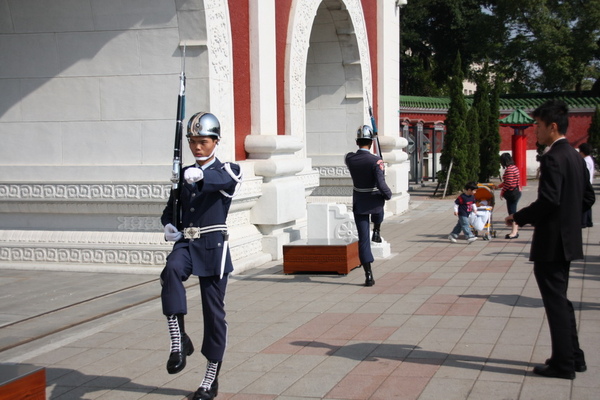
[[550, 372], [176, 362], [203, 394], [376, 236], [209, 388], [376, 233], [369, 280], [578, 366]]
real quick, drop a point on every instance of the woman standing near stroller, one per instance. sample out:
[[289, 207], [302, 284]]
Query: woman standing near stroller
[[511, 192]]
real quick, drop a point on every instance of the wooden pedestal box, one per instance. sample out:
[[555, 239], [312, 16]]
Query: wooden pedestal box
[[320, 255], [22, 381]]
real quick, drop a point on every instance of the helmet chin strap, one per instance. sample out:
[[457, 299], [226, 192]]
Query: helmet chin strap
[[208, 157]]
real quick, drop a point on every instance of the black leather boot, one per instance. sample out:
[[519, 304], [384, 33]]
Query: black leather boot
[[376, 233], [369, 281], [209, 388], [181, 345]]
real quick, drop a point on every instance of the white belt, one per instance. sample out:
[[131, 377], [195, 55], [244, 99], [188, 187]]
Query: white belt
[[367, 190], [193, 232]]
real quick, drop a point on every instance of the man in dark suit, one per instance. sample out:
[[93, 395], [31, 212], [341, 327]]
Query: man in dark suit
[[564, 192], [201, 238], [368, 196]]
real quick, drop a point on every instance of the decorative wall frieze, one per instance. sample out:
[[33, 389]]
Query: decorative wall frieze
[[89, 208], [84, 191], [337, 171], [126, 248], [310, 180], [245, 250], [101, 198], [151, 224], [335, 191], [59, 238], [83, 255]]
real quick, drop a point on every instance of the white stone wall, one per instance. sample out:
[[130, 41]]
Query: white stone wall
[[90, 89], [87, 122]]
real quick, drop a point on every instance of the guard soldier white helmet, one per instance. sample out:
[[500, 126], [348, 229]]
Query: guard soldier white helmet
[[364, 132], [204, 124]]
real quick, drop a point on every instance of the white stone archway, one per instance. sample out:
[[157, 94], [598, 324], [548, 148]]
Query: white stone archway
[[300, 28], [329, 75], [219, 43]]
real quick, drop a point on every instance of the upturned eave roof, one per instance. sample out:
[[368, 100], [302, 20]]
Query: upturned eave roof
[[517, 118], [584, 100]]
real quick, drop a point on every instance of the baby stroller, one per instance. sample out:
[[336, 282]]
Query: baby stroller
[[481, 223]]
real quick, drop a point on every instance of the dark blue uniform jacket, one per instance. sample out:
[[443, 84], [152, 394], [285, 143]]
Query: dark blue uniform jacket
[[367, 172], [202, 205]]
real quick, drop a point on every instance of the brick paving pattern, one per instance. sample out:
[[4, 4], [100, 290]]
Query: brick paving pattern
[[443, 321]]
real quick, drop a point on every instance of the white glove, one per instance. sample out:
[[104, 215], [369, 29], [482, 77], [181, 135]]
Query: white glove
[[172, 234], [193, 174]]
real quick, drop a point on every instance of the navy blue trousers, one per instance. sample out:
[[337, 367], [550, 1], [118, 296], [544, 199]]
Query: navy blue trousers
[[364, 235], [212, 293]]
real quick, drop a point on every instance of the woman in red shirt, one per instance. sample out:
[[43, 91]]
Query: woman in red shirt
[[510, 190]]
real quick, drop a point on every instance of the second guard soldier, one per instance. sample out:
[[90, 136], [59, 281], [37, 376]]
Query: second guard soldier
[[368, 196]]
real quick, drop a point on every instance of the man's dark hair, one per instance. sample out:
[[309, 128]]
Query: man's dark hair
[[471, 185], [363, 142], [554, 111], [585, 148]]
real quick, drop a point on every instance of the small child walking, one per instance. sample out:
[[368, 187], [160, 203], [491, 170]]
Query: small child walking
[[463, 206]]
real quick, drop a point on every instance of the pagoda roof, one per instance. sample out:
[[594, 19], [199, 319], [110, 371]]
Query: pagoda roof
[[517, 118], [574, 100]]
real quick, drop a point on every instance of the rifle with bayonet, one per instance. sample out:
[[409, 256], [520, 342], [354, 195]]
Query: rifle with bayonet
[[374, 126], [177, 161]]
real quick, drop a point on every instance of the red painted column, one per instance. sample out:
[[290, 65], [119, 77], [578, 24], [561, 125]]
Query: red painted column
[[519, 154]]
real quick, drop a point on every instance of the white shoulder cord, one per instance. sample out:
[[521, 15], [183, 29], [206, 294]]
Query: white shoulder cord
[[237, 178]]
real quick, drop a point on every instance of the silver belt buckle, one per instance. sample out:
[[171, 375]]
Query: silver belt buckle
[[191, 233]]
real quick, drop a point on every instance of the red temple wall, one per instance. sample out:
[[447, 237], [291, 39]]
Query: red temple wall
[[579, 123]]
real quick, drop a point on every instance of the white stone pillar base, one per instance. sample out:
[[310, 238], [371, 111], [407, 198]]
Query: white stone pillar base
[[398, 204], [274, 237], [381, 250]]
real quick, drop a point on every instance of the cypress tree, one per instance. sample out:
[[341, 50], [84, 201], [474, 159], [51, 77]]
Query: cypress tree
[[455, 140], [488, 151], [494, 129], [473, 132], [482, 107]]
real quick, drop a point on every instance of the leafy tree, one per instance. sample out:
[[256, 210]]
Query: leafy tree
[[556, 40], [594, 135], [548, 45], [455, 151], [432, 32]]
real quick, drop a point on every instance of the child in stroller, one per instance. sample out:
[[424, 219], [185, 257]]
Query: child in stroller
[[481, 223]]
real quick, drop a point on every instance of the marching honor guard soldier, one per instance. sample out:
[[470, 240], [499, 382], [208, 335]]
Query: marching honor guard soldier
[[201, 249], [368, 196]]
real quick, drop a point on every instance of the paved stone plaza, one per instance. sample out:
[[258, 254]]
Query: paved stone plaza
[[443, 321]]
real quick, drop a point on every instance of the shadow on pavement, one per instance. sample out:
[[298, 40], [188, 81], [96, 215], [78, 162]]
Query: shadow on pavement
[[416, 355]]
